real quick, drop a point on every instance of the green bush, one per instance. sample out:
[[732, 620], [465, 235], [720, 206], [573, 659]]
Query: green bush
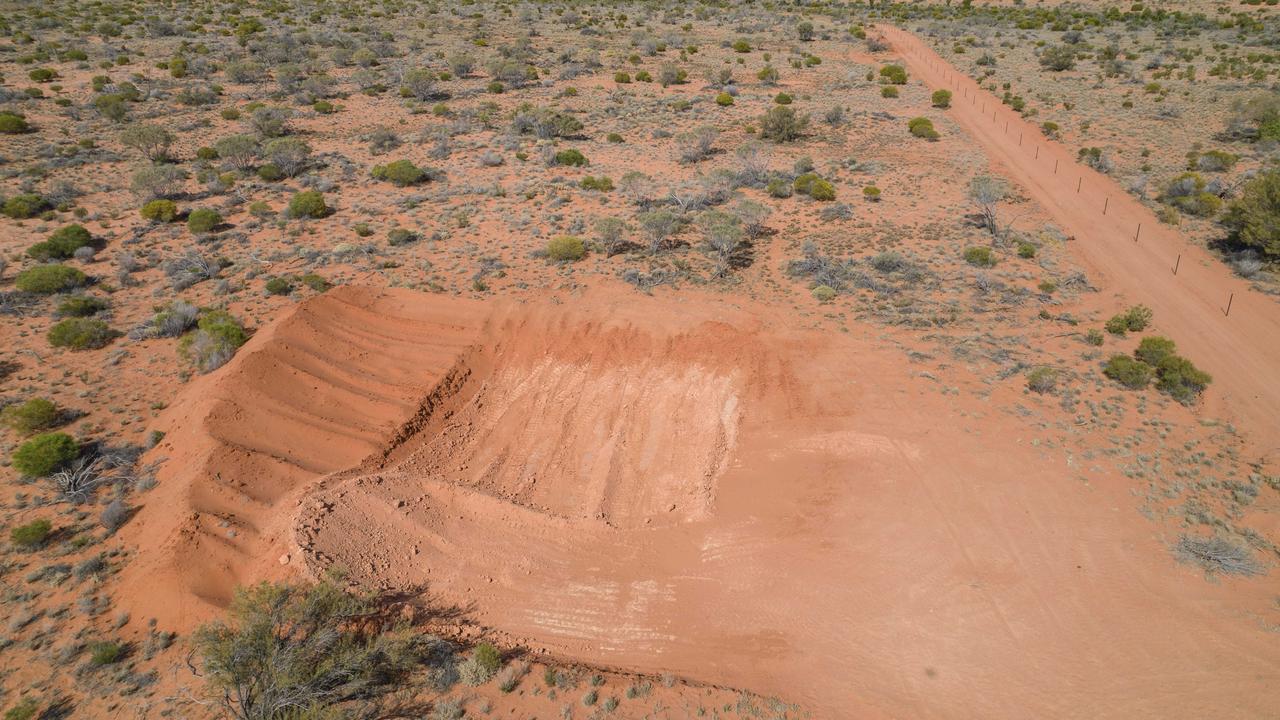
[[980, 255], [778, 188], [741, 46], [308, 204], [31, 416], [48, 279], [81, 306], [889, 91], [824, 293], [1042, 380], [1181, 379], [941, 98], [1153, 349], [279, 286], [571, 157], [45, 454], [81, 333], [922, 127], [400, 172], [566, 248], [893, 74], [270, 172], [1134, 319], [42, 75], [162, 211], [26, 205], [724, 99], [1058, 58], [31, 535], [872, 193], [106, 653], [401, 236], [62, 244], [1026, 249], [1094, 337], [203, 220], [13, 124], [214, 341], [26, 709], [1130, 373], [602, 184], [315, 282], [1254, 218], [621, 78], [782, 124], [821, 189], [782, 99]]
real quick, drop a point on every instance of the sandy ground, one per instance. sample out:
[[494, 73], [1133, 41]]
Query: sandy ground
[[821, 524], [1239, 349]]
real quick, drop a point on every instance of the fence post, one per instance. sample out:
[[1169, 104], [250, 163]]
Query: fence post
[[1135, 239], [1177, 264], [1037, 152], [1105, 204], [1079, 183], [1233, 297], [1055, 166]]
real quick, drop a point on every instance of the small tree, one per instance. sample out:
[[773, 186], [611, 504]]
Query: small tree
[[658, 225], [1058, 58], [45, 454], [289, 154], [782, 124], [612, 232], [986, 192], [290, 651], [152, 141], [419, 83], [239, 151], [804, 31], [1254, 218]]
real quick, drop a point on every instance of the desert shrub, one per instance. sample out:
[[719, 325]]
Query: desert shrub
[[152, 141], [980, 255], [62, 243], [240, 151], [601, 184], [315, 282], [889, 91], [162, 211], [893, 75], [1215, 161], [270, 172], [941, 98], [741, 46], [1154, 349], [1218, 555], [31, 416], [308, 204], [289, 154], [571, 157], [1257, 118], [401, 236], [566, 248], [697, 144], [45, 454], [285, 647], [419, 83], [270, 122], [669, 74], [782, 124], [203, 220], [32, 535], [824, 293], [157, 181], [783, 99], [768, 75], [81, 306], [622, 78], [1178, 377], [778, 188], [1094, 337], [1130, 373], [48, 279], [23, 206], [1058, 58], [1254, 218], [12, 123], [1042, 380], [724, 99], [400, 172], [80, 333], [1135, 319], [278, 286], [170, 320], [1187, 193], [922, 127], [214, 341], [26, 709], [821, 189], [481, 665]]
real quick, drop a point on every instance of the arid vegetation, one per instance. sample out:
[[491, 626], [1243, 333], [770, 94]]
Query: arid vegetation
[[178, 179]]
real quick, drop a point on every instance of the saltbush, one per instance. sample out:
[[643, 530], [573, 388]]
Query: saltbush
[[48, 279], [81, 333], [308, 204], [161, 211], [893, 75], [45, 454], [203, 220], [980, 255], [1127, 371], [400, 172], [922, 127], [941, 98], [1177, 376], [1153, 349], [62, 243], [23, 206], [566, 248], [31, 416], [571, 157], [29, 536], [13, 124]]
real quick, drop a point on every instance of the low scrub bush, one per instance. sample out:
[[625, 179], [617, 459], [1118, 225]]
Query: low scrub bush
[[401, 173], [571, 157], [1131, 373], [31, 536], [566, 248], [49, 279], [308, 204], [941, 99], [31, 416], [203, 220], [12, 123], [922, 127], [81, 333], [214, 341], [1254, 218], [161, 211], [782, 124], [23, 206], [980, 256], [893, 75], [62, 243], [45, 454], [1135, 319], [81, 306], [1042, 380]]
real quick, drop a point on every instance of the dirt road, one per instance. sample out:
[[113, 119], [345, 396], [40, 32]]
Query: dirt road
[[1240, 350]]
